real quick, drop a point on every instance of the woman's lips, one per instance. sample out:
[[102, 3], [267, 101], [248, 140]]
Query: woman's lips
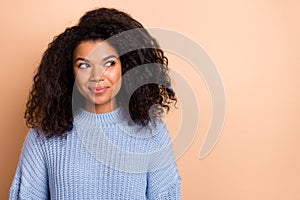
[[98, 90]]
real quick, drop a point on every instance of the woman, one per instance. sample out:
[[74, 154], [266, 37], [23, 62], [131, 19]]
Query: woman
[[95, 112]]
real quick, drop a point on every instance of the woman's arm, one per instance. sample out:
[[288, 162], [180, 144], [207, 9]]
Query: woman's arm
[[31, 180]]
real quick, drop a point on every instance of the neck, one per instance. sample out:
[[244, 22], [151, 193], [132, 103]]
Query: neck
[[100, 109]]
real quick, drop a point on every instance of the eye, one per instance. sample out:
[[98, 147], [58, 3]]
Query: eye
[[84, 65], [110, 63]]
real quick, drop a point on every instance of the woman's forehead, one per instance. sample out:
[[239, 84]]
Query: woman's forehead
[[92, 50]]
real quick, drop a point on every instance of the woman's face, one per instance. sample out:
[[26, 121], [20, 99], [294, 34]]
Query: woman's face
[[98, 72]]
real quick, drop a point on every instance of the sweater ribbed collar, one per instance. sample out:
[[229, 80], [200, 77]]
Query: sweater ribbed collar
[[84, 118], [119, 117]]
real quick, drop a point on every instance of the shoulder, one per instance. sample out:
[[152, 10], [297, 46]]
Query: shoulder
[[160, 134], [37, 140], [33, 144], [155, 133], [36, 137], [33, 138]]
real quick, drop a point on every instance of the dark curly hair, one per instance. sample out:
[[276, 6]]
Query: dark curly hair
[[49, 107]]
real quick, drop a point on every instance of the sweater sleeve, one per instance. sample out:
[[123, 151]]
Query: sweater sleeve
[[30, 181], [164, 182]]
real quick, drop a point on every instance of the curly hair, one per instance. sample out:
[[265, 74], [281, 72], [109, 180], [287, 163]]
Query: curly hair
[[49, 106]]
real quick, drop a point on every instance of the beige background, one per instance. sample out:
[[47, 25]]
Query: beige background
[[255, 46]]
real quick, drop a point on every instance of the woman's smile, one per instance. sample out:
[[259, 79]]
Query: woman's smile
[[99, 89]]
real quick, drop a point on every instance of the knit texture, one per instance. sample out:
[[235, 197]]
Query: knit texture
[[103, 157]]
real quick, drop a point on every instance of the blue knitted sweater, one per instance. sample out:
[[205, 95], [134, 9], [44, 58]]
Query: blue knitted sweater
[[102, 157]]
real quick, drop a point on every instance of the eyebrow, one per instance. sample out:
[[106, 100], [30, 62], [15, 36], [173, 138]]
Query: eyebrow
[[87, 60], [108, 57], [82, 59]]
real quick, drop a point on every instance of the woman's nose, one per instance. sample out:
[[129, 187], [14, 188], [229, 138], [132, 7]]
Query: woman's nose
[[97, 73]]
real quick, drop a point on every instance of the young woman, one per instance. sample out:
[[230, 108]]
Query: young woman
[[95, 112]]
